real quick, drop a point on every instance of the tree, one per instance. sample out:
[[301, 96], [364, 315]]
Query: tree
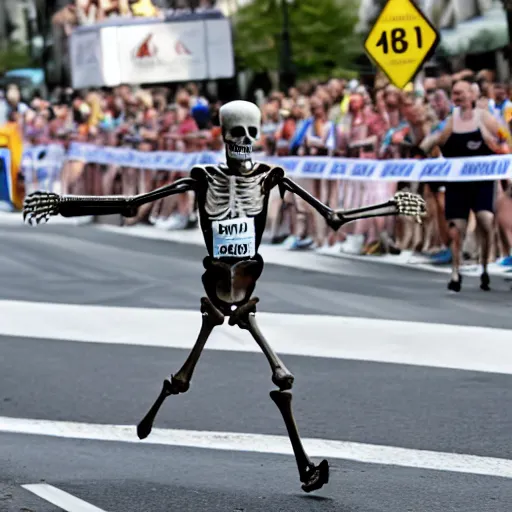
[[13, 56], [322, 35]]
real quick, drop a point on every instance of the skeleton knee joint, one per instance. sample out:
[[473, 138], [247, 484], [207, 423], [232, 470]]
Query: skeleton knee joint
[[283, 379]]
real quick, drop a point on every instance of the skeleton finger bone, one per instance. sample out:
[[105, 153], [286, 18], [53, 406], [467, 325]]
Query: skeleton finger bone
[[410, 204], [39, 206]]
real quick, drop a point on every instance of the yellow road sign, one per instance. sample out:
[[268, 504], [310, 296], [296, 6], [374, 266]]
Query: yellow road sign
[[401, 40]]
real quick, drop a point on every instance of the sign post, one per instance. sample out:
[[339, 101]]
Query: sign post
[[401, 41]]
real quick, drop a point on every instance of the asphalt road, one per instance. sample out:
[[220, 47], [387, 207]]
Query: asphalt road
[[413, 407]]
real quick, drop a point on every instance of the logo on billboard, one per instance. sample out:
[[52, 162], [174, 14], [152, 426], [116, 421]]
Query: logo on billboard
[[181, 49], [146, 52]]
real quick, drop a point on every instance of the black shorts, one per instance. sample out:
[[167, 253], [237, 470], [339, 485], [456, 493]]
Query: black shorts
[[435, 185], [462, 197]]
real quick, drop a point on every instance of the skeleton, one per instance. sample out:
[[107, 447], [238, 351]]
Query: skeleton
[[232, 202]]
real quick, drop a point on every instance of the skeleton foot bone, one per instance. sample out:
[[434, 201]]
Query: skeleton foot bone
[[313, 477], [180, 382]]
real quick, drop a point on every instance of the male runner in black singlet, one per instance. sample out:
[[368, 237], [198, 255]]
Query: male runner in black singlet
[[469, 132]]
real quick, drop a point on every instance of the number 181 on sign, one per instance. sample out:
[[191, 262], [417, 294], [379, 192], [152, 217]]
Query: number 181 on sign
[[397, 40]]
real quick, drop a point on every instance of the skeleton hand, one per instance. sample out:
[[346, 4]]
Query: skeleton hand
[[410, 204], [39, 205]]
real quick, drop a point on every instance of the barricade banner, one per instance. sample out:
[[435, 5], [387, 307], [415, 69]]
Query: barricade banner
[[5, 180], [41, 167], [440, 169]]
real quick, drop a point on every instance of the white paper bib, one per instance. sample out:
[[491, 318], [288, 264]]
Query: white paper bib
[[234, 238]]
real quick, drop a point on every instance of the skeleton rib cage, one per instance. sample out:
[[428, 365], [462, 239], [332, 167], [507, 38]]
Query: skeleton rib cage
[[229, 197]]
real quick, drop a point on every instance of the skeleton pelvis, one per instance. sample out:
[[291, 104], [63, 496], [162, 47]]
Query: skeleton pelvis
[[228, 284]]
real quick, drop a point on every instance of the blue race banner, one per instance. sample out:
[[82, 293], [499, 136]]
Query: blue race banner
[[46, 162], [41, 166]]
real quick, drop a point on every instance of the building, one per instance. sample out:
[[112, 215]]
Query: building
[[16, 17]]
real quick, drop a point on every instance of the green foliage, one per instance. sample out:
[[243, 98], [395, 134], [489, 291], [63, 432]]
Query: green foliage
[[13, 56], [321, 32]]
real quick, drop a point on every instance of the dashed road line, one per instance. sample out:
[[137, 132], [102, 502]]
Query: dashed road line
[[61, 499]]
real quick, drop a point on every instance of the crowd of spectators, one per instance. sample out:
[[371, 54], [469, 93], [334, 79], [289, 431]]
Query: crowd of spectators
[[332, 119], [90, 12]]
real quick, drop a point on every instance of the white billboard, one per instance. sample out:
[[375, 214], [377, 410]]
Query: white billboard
[[167, 51], [162, 53]]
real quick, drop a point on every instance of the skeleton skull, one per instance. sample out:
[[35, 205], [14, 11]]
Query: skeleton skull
[[240, 122]]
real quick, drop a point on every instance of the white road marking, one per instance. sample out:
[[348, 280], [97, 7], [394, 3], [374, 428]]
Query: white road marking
[[386, 341], [260, 443], [61, 499]]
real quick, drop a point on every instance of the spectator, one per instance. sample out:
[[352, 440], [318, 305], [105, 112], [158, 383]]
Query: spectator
[[313, 119], [469, 131], [501, 106], [4, 109]]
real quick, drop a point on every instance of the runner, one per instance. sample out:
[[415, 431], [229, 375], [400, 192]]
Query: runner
[[469, 132]]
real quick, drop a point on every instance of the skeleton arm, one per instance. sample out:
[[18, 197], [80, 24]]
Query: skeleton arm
[[40, 205], [286, 184], [402, 203]]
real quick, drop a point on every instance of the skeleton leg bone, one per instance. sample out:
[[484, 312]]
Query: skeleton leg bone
[[312, 477], [245, 318], [180, 382]]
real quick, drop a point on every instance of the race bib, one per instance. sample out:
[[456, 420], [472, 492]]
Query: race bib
[[234, 238]]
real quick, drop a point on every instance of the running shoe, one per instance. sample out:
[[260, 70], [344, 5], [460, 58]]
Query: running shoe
[[442, 257], [302, 243], [505, 262]]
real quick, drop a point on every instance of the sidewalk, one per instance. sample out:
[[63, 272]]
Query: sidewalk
[[273, 253], [405, 259], [16, 219]]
